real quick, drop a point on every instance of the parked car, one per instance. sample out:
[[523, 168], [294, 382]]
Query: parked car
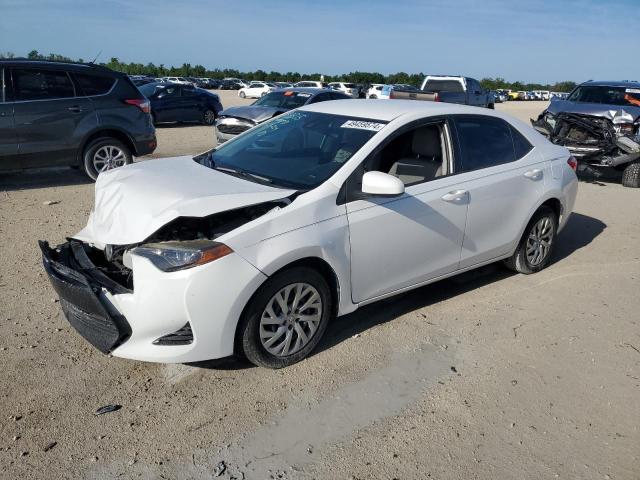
[[374, 90], [541, 94], [180, 80], [454, 89], [349, 89], [255, 90], [230, 85], [385, 93], [70, 114], [311, 84], [174, 102], [284, 84], [236, 120], [252, 248], [599, 123]]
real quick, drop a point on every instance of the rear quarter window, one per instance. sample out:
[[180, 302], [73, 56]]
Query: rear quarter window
[[36, 84], [94, 84], [521, 145]]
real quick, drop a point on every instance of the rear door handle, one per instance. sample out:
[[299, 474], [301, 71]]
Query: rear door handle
[[535, 174], [75, 109], [455, 196]]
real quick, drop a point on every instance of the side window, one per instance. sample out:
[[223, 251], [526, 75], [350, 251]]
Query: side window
[[41, 84], [484, 142], [521, 145], [415, 156], [94, 84], [3, 87], [339, 96], [321, 97]]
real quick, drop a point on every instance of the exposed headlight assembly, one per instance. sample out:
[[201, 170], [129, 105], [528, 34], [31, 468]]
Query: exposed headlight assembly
[[172, 256]]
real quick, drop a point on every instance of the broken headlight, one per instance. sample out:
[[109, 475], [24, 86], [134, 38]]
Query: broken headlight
[[172, 256]]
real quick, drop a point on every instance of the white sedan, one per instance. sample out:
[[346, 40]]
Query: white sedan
[[255, 90], [254, 247]]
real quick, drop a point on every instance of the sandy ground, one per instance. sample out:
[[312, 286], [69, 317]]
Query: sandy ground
[[487, 376]]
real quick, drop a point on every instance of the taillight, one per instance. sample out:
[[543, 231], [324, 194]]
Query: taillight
[[573, 163], [143, 105], [436, 98]]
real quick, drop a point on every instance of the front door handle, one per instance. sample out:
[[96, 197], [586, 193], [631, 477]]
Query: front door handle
[[455, 196], [535, 174], [75, 109]]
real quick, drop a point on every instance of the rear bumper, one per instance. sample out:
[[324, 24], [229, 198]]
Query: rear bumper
[[77, 284], [145, 145]]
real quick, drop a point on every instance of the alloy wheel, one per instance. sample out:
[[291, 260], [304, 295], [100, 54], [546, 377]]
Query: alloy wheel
[[108, 157], [290, 319], [539, 241], [209, 117]]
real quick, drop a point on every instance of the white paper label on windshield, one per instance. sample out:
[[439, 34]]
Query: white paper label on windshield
[[373, 126], [632, 90], [300, 94]]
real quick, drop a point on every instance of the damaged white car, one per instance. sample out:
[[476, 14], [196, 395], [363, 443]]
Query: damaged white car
[[252, 248], [599, 123]]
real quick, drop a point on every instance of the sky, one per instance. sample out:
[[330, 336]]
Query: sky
[[532, 41]]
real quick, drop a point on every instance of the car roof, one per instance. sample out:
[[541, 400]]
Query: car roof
[[614, 83], [313, 90], [388, 110], [26, 62]]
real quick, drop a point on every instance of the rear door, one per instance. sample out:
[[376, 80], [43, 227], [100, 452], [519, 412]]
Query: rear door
[[8, 140], [167, 104], [192, 103], [47, 114], [504, 176]]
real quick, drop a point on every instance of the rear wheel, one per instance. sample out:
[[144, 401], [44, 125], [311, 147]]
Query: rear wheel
[[631, 176], [242, 95], [285, 319], [105, 153], [209, 117], [536, 245], [373, 96]]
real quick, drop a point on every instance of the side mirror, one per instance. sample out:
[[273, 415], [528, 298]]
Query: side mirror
[[382, 184]]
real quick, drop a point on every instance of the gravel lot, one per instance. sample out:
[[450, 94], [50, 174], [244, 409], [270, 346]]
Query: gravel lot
[[490, 375]]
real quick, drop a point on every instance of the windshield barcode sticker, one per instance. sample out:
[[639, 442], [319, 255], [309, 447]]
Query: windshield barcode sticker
[[373, 126], [632, 90]]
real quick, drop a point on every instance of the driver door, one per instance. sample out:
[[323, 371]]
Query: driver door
[[403, 241]]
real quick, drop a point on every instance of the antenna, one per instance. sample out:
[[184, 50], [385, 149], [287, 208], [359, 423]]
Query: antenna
[[96, 57]]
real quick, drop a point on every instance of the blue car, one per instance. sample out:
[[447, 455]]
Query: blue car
[[173, 102]]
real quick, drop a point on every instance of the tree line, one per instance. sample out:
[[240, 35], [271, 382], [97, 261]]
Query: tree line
[[188, 70]]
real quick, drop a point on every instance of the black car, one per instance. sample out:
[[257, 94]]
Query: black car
[[236, 120], [70, 114], [230, 85], [174, 102]]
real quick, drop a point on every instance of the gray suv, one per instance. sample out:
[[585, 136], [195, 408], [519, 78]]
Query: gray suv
[[69, 114]]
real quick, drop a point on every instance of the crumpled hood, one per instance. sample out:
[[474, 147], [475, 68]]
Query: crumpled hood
[[133, 202], [257, 113], [615, 113]]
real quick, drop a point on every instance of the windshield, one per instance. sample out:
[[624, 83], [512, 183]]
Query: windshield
[[286, 100], [606, 95], [296, 150]]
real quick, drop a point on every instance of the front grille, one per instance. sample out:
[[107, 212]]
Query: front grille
[[232, 129], [184, 336]]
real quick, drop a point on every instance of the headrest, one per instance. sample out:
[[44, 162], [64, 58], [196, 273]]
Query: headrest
[[426, 141]]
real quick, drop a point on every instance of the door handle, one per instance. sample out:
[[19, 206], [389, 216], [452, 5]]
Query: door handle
[[535, 174], [455, 196], [75, 109]]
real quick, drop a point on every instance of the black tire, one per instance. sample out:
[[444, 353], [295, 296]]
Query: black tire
[[242, 95], [631, 176], [248, 341], [209, 117], [491, 106], [373, 96], [520, 261], [93, 147]]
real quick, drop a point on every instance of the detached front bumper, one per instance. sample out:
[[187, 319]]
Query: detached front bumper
[[172, 317], [78, 284]]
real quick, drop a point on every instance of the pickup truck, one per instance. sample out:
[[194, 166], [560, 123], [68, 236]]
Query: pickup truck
[[448, 89]]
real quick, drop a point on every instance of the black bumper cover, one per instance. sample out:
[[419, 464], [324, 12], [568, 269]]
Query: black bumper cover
[[77, 282]]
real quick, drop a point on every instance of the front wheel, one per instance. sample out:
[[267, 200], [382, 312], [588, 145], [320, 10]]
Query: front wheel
[[373, 96], [536, 245], [104, 154], [631, 176], [242, 95], [285, 319]]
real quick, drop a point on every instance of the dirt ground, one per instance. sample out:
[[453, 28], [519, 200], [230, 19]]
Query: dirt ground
[[490, 375]]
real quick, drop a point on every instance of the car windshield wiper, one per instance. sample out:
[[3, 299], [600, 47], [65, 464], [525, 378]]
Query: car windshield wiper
[[244, 174]]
